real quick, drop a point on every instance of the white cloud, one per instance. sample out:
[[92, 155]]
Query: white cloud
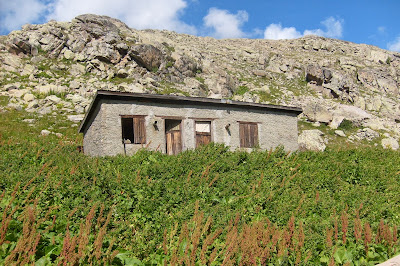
[[395, 45], [225, 24], [381, 29], [276, 32], [333, 29], [149, 14], [15, 13]]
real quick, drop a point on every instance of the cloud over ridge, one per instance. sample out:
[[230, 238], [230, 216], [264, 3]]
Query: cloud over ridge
[[395, 45], [150, 14], [225, 24], [333, 29]]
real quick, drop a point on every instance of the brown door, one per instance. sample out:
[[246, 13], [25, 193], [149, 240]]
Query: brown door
[[202, 138], [173, 136], [203, 132]]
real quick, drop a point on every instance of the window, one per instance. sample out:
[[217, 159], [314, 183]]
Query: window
[[133, 129], [203, 132], [248, 133]]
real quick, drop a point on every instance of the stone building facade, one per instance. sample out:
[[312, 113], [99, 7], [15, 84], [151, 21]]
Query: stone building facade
[[122, 123]]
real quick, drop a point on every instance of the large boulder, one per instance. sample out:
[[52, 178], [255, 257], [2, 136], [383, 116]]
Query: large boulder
[[350, 112], [311, 140], [186, 66], [95, 25], [316, 112], [147, 56]]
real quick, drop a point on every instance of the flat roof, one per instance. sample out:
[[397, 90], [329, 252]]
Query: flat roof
[[171, 99]]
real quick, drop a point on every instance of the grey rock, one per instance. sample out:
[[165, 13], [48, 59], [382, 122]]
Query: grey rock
[[45, 132], [260, 73], [147, 56], [317, 113], [340, 133], [29, 121], [122, 73], [311, 140], [75, 118], [365, 134], [69, 55], [29, 97], [75, 84], [15, 106], [53, 99], [390, 143]]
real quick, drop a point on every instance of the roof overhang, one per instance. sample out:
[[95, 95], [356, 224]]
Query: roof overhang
[[170, 99]]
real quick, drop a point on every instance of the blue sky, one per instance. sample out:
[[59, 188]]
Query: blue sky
[[361, 21]]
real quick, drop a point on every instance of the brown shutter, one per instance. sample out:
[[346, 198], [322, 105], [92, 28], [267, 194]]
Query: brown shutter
[[248, 134], [242, 134], [253, 128], [139, 130]]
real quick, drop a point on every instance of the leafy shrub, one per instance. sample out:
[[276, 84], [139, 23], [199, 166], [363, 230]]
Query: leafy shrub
[[136, 207], [346, 125]]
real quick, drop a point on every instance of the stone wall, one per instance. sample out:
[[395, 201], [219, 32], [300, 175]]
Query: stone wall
[[104, 134]]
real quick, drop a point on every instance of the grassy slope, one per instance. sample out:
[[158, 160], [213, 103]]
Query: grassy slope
[[150, 192]]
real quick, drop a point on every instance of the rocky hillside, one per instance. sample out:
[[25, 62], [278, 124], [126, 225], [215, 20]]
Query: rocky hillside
[[349, 92]]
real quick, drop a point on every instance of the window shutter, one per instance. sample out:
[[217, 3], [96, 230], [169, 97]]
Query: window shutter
[[139, 130], [248, 134], [253, 135]]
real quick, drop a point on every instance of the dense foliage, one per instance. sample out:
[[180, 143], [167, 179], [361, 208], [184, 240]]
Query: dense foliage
[[204, 206]]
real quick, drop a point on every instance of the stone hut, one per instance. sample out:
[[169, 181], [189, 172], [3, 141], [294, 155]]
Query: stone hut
[[122, 123]]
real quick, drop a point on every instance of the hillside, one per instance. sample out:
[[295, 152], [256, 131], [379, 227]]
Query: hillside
[[207, 206], [58, 66]]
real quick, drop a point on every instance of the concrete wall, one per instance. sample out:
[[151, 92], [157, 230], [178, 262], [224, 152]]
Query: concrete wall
[[104, 134]]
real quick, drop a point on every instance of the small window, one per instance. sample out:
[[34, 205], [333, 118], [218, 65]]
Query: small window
[[133, 130], [248, 133], [203, 132]]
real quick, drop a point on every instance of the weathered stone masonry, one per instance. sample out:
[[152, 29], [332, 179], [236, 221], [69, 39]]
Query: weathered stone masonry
[[218, 120]]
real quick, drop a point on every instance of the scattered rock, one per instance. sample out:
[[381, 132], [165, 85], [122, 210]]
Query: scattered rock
[[75, 118], [311, 140], [45, 132], [53, 98], [29, 97], [340, 133], [15, 106], [390, 143], [122, 73], [260, 73], [29, 120], [365, 134]]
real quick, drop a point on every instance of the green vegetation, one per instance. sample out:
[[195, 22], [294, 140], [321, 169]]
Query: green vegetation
[[168, 88], [346, 125], [204, 206], [241, 90], [118, 80], [200, 79]]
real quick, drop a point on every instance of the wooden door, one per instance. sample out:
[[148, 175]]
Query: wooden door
[[173, 136], [203, 132]]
